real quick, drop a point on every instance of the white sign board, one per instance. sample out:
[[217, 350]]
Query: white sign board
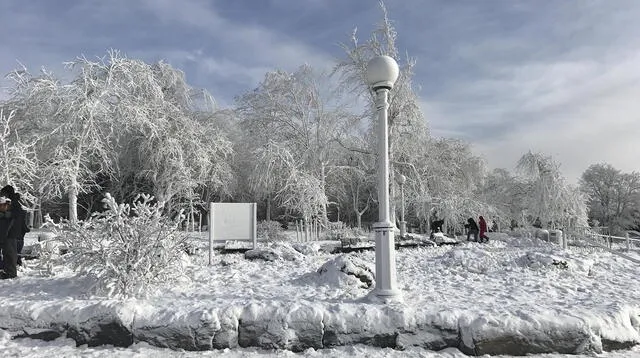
[[232, 221]]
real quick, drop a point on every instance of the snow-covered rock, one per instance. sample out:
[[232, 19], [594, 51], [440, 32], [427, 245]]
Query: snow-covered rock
[[261, 254], [345, 271]]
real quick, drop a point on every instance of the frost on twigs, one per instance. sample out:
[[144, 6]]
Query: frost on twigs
[[129, 250]]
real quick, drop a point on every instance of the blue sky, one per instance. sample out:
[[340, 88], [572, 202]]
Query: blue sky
[[558, 77]]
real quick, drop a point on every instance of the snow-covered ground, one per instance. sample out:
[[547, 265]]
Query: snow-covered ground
[[485, 290]]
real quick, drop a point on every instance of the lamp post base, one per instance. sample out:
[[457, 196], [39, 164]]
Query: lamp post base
[[386, 286]]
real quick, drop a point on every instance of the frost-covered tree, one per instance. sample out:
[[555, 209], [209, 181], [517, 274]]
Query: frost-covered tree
[[549, 196], [404, 109], [76, 143], [124, 122], [168, 141], [443, 176], [18, 162], [298, 112], [355, 185], [273, 167], [303, 193], [277, 172], [506, 193], [614, 197]]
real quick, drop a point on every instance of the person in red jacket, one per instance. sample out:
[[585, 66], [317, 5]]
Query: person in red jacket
[[483, 229]]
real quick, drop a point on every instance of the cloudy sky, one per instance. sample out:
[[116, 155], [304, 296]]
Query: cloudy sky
[[557, 77]]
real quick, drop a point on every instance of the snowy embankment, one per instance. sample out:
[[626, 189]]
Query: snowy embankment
[[511, 296]]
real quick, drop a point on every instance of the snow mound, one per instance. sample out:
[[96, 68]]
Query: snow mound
[[526, 242], [277, 251], [343, 271], [501, 236], [473, 259], [307, 249], [536, 260], [287, 252], [561, 260], [441, 238], [261, 254]]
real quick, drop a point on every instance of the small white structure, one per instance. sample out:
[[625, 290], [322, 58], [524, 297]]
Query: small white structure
[[232, 221]]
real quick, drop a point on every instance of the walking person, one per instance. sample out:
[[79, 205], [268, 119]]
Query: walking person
[[483, 229], [472, 229]]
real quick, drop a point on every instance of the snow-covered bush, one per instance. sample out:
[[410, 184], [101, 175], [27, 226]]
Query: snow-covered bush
[[336, 230], [130, 250], [270, 231], [339, 230]]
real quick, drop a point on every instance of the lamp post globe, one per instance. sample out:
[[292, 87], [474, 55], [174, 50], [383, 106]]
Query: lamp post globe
[[382, 73]]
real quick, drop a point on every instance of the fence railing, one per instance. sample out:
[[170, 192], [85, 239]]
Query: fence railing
[[608, 242]]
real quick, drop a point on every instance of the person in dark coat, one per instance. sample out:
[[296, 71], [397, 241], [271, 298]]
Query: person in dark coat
[[472, 228], [19, 218], [483, 230], [16, 206], [537, 223], [494, 226], [436, 226], [8, 236]]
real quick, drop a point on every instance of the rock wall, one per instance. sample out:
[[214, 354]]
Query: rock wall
[[297, 326]]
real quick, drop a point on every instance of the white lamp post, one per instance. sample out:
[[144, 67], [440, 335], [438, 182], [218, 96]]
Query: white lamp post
[[403, 224], [382, 73]]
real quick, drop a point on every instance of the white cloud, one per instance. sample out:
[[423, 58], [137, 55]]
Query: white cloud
[[260, 46], [584, 114]]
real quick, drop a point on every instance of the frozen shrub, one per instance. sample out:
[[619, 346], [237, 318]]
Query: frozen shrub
[[129, 250], [270, 230], [336, 230], [357, 232], [339, 230]]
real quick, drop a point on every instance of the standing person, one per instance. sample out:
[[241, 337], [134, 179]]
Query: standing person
[[537, 223], [483, 229], [472, 229], [16, 205], [8, 236], [19, 216], [494, 226]]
